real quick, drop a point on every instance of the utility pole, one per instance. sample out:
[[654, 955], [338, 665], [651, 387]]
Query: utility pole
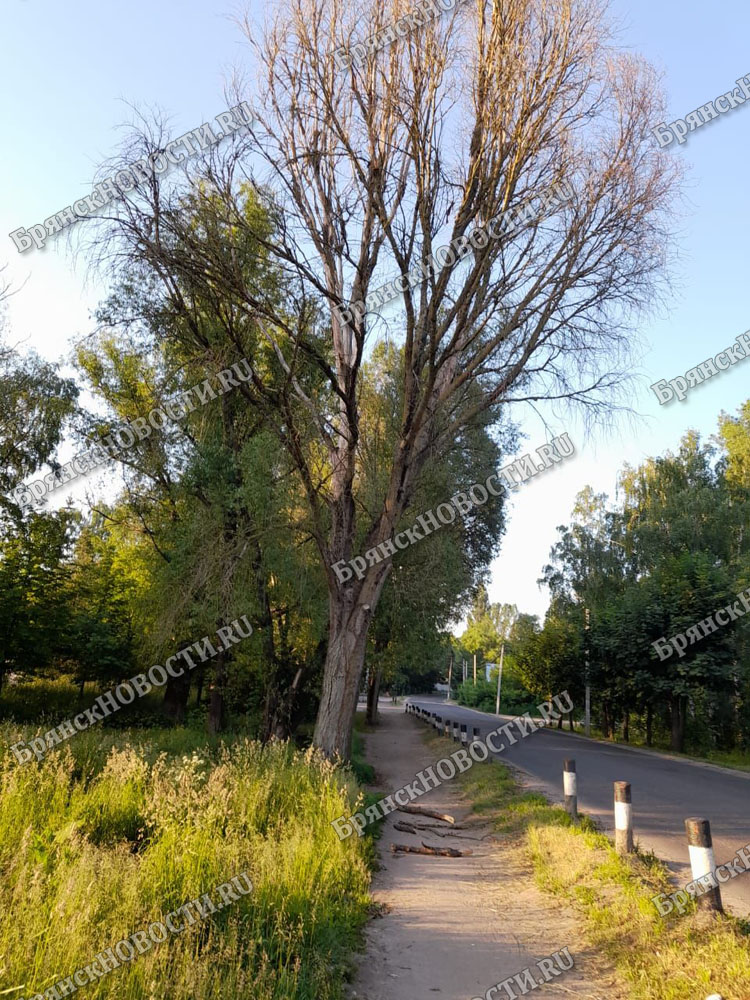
[[586, 622], [463, 663], [450, 673], [499, 679], [475, 669]]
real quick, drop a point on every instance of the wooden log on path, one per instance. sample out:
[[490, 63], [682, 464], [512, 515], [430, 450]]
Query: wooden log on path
[[423, 811], [405, 828], [446, 852]]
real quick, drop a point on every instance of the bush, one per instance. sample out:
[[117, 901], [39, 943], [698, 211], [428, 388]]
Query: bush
[[514, 698]]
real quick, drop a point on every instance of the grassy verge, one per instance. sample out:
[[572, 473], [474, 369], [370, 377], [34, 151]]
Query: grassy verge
[[661, 958], [113, 830], [735, 759]]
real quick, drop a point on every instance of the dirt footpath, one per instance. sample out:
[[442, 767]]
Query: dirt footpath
[[455, 927]]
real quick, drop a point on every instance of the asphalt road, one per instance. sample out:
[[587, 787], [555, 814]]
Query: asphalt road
[[665, 792]]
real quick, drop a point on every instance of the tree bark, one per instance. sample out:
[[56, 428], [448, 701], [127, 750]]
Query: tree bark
[[677, 709], [201, 671], [649, 724], [343, 668], [373, 693], [626, 726], [176, 695], [217, 707], [350, 612]]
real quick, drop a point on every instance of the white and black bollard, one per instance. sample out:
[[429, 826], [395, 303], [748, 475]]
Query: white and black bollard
[[475, 735], [702, 861], [623, 818], [447, 730], [570, 788], [455, 731], [464, 735]]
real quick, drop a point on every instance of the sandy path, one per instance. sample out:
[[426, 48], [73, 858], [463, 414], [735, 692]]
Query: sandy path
[[457, 926]]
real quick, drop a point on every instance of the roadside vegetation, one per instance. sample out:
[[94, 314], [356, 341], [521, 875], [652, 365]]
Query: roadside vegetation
[[115, 829]]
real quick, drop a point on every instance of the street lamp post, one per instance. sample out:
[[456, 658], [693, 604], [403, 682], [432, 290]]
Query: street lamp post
[[586, 620], [499, 679]]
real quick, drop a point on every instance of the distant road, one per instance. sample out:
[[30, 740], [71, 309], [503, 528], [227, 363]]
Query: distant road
[[665, 792]]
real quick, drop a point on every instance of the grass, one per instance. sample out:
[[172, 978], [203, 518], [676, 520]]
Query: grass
[[735, 759], [660, 958], [114, 829]]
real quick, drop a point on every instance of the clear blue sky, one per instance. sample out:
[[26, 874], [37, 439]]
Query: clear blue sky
[[67, 69]]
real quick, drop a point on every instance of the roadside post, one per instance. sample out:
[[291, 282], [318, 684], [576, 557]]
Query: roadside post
[[702, 861], [570, 788], [623, 818]]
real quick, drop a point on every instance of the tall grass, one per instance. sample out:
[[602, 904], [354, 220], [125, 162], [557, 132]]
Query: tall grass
[[110, 832]]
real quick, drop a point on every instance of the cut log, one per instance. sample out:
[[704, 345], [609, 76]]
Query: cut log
[[446, 852], [423, 811]]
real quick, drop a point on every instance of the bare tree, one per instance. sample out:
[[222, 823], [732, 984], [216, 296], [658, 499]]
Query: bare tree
[[364, 173]]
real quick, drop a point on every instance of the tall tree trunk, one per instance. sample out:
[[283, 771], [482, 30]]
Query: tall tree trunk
[[350, 611], [677, 709], [373, 693], [217, 704], [201, 672], [649, 724], [570, 722], [349, 618], [626, 725], [176, 694]]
